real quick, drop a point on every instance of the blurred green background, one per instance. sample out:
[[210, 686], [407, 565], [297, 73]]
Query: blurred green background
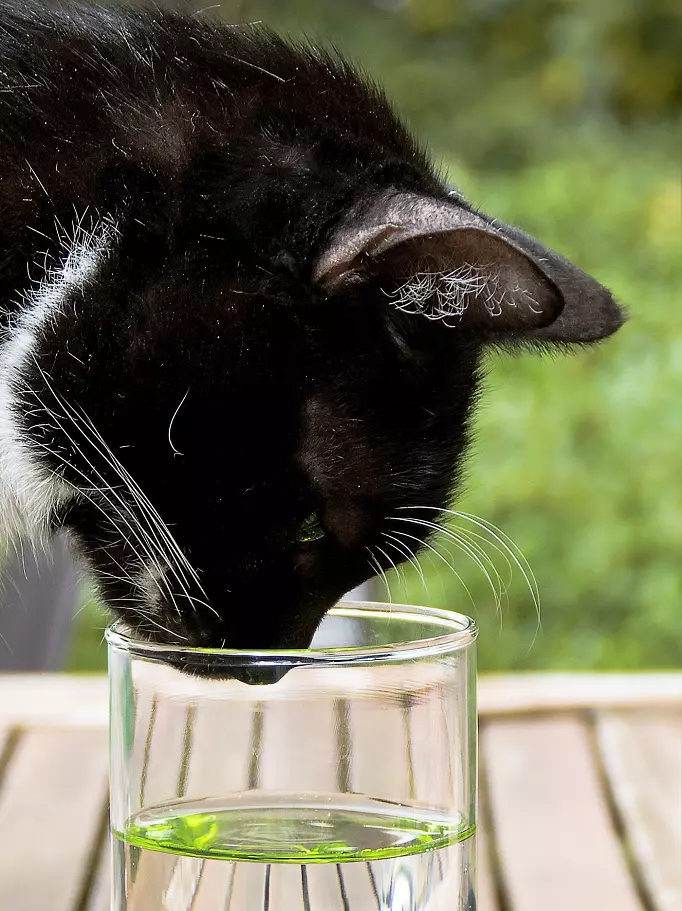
[[561, 116]]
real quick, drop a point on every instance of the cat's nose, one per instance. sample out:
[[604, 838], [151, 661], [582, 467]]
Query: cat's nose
[[347, 521]]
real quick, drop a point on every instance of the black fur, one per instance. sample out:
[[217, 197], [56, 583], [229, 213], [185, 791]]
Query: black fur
[[263, 198]]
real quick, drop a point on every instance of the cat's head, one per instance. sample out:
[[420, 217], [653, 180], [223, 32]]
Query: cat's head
[[245, 419]]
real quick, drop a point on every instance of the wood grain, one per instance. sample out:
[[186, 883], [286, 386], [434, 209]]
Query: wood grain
[[557, 847], [51, 805], [642, 756]]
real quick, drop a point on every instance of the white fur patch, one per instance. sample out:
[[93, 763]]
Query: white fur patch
[[28, 491]]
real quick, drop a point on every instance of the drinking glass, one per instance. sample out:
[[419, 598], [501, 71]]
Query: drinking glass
[[336, 778]]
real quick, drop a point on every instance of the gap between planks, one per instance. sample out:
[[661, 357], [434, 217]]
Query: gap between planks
[[51, 803], [641, 756], [556, 847], [73, 701]]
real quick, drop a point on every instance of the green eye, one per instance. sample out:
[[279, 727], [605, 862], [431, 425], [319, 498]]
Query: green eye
[[310, 529]]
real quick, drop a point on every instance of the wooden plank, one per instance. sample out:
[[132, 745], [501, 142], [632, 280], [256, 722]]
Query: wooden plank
[[167, 745], [379, 766], [54, 699], [327, 887], [512, 693], [300, 754], [284, 888], [222, 739], [162, 778], [434, 761], [642, 755], [4, 745], [486, 898], [299, 744], [221, 748], [215, 889], [249, 889], [145, 710], [557, 848], [99, 898], [59, 699], [357, 886], [379, 748], [51, 806]]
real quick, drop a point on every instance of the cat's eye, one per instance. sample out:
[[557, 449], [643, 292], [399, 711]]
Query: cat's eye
[[310, 529]]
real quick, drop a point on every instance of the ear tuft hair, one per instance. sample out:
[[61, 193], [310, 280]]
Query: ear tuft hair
[[437, 259]]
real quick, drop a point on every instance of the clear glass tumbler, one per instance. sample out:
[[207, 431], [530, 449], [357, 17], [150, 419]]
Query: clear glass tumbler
[[336, 778]]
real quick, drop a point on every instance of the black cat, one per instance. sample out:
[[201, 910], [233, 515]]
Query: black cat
[[244, 317]]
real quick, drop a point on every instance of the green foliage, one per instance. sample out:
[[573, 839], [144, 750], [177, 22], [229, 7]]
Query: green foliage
[[577, 459], [88, 649], [560, 116]]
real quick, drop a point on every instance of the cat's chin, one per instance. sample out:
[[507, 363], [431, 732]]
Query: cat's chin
[[257, 675], [209, 664]]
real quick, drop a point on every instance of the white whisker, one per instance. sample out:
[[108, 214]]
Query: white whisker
[[506, 544], [117, 511], [157, 533], [511, 548], [411, 556], [440, 556], [170, 426], [376, 564], [462, 545], [401, 577], [119, 507]]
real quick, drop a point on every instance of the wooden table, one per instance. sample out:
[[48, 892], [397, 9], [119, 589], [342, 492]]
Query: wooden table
[[580, 803]]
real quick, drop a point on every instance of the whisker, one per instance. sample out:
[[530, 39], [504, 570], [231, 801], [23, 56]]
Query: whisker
[[502, 589], [170, 426], [377, 566], [462, 545], [440, 556], [117, 512], [507, 543], [411, 556], [117, 509], [469, 534], [401, 577], [155, 524]]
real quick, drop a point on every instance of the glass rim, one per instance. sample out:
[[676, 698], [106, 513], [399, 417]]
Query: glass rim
[[459, 632]]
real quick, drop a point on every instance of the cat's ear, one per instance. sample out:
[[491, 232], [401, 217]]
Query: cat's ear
[[443, 261]]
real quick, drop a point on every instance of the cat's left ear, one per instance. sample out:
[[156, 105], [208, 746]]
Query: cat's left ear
[[443, 261]]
